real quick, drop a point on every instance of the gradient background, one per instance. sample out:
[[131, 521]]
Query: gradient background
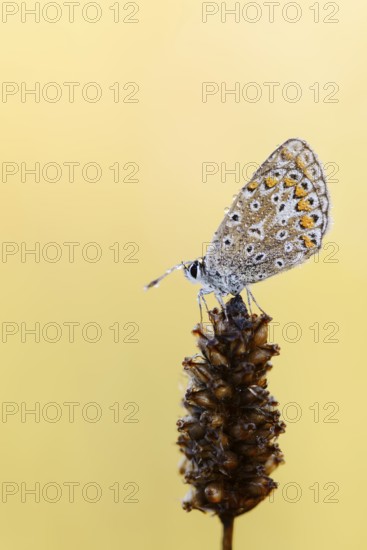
[[169, 213]]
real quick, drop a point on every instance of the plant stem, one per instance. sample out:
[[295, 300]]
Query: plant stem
[[227, 522]]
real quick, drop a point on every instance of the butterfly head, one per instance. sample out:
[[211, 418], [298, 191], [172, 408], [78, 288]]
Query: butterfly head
[[194, 271]]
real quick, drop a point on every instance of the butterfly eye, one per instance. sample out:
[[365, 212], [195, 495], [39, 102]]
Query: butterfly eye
[[194, 270]]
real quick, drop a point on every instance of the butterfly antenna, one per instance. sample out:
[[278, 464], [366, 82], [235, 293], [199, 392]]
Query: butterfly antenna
[[168, 272]]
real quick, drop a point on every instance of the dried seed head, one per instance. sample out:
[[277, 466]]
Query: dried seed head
[[229, 436]]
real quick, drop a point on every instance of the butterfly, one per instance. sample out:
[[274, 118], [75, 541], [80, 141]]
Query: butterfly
[[277, 221]]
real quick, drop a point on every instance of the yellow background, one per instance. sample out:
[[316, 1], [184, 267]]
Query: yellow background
[[169, 213]]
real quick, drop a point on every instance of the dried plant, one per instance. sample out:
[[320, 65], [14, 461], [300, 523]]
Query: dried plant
[[229, 434]]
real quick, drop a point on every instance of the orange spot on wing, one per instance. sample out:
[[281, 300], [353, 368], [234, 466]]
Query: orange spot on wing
[[270, 182], [289, 182], [300, 192], [286, 154], [307, 222], [253, 185], [308, 242], [300, 164], [304, 205]]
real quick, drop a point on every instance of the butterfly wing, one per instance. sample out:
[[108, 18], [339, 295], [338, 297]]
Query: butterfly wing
[[276, 221]]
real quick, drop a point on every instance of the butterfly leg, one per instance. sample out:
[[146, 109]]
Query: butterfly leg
[[221, 303], [249, 293], [200, 298]]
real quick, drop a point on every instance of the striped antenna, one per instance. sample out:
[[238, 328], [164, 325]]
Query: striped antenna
[[168, 272]]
